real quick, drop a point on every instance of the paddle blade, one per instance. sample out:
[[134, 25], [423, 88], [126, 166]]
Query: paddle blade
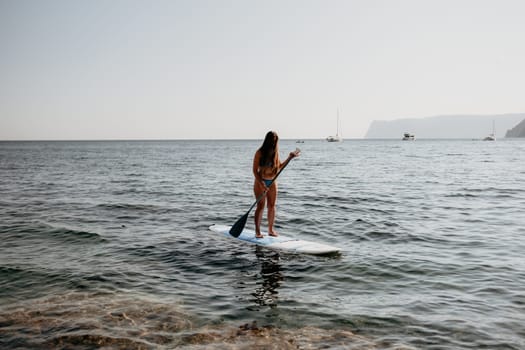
[[237, 228]]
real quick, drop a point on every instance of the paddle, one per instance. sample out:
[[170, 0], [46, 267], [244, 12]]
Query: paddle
[[237, 228]]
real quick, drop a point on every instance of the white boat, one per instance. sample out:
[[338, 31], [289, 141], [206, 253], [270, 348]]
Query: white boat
[[408, 137], [335, 138], [491, 137]]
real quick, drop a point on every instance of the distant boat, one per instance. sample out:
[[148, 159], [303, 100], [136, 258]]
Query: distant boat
[[491, 137], [408, 137], [335, 138], [299, 141]]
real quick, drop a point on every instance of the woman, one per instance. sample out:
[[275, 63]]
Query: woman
[[266, 165]]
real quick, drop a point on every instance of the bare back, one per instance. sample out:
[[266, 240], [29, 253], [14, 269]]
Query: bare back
[[262, 172]]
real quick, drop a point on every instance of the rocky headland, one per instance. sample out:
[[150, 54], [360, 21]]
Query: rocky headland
[[449, 126]]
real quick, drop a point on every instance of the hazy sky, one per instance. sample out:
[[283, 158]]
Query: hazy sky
[[236, 69]]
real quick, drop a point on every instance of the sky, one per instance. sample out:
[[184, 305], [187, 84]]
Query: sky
[[221, 69]]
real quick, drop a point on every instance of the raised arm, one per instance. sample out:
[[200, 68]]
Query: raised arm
[[291, 156]]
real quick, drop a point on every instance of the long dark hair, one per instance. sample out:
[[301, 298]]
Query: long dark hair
[[270, 151]]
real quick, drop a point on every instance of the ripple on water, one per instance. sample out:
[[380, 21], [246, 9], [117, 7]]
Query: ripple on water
[[18, 233]]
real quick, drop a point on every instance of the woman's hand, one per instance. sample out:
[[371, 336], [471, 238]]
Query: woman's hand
[[295, 153]]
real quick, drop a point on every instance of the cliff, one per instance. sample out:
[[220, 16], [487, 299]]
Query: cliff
[[517, 131], [445, 127]]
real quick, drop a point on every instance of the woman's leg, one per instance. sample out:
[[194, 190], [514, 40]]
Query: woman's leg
[[272, 199], [258, 190]]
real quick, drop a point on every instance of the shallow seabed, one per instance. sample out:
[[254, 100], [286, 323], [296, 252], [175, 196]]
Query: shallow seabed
[[106, 244]]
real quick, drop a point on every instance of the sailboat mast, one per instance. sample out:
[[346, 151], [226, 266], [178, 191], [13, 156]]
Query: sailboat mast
[[337, 132]]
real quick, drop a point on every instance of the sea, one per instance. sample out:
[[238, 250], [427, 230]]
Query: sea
[[106, 245]]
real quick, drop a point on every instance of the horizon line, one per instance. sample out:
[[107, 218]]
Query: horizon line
[[236, 139]]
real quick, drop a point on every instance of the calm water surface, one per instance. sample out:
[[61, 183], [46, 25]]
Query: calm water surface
[[107, 244]]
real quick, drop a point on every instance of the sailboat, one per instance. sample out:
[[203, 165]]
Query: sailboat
[[491, 137], [335, 138]]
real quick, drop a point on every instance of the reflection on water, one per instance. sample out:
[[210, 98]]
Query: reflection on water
[[267, 293]]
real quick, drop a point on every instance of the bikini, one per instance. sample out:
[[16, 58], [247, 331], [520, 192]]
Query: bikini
[[267, 182]]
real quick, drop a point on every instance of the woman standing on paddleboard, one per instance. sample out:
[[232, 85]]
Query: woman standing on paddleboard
[[266, 165]]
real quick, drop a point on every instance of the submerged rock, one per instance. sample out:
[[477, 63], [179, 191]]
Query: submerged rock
[[117, 321]]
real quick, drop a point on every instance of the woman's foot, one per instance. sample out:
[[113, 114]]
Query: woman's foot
[[258, 235], [273, 234]]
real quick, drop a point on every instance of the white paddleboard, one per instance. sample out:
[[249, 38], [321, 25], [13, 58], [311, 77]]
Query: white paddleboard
[[281, 242]]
